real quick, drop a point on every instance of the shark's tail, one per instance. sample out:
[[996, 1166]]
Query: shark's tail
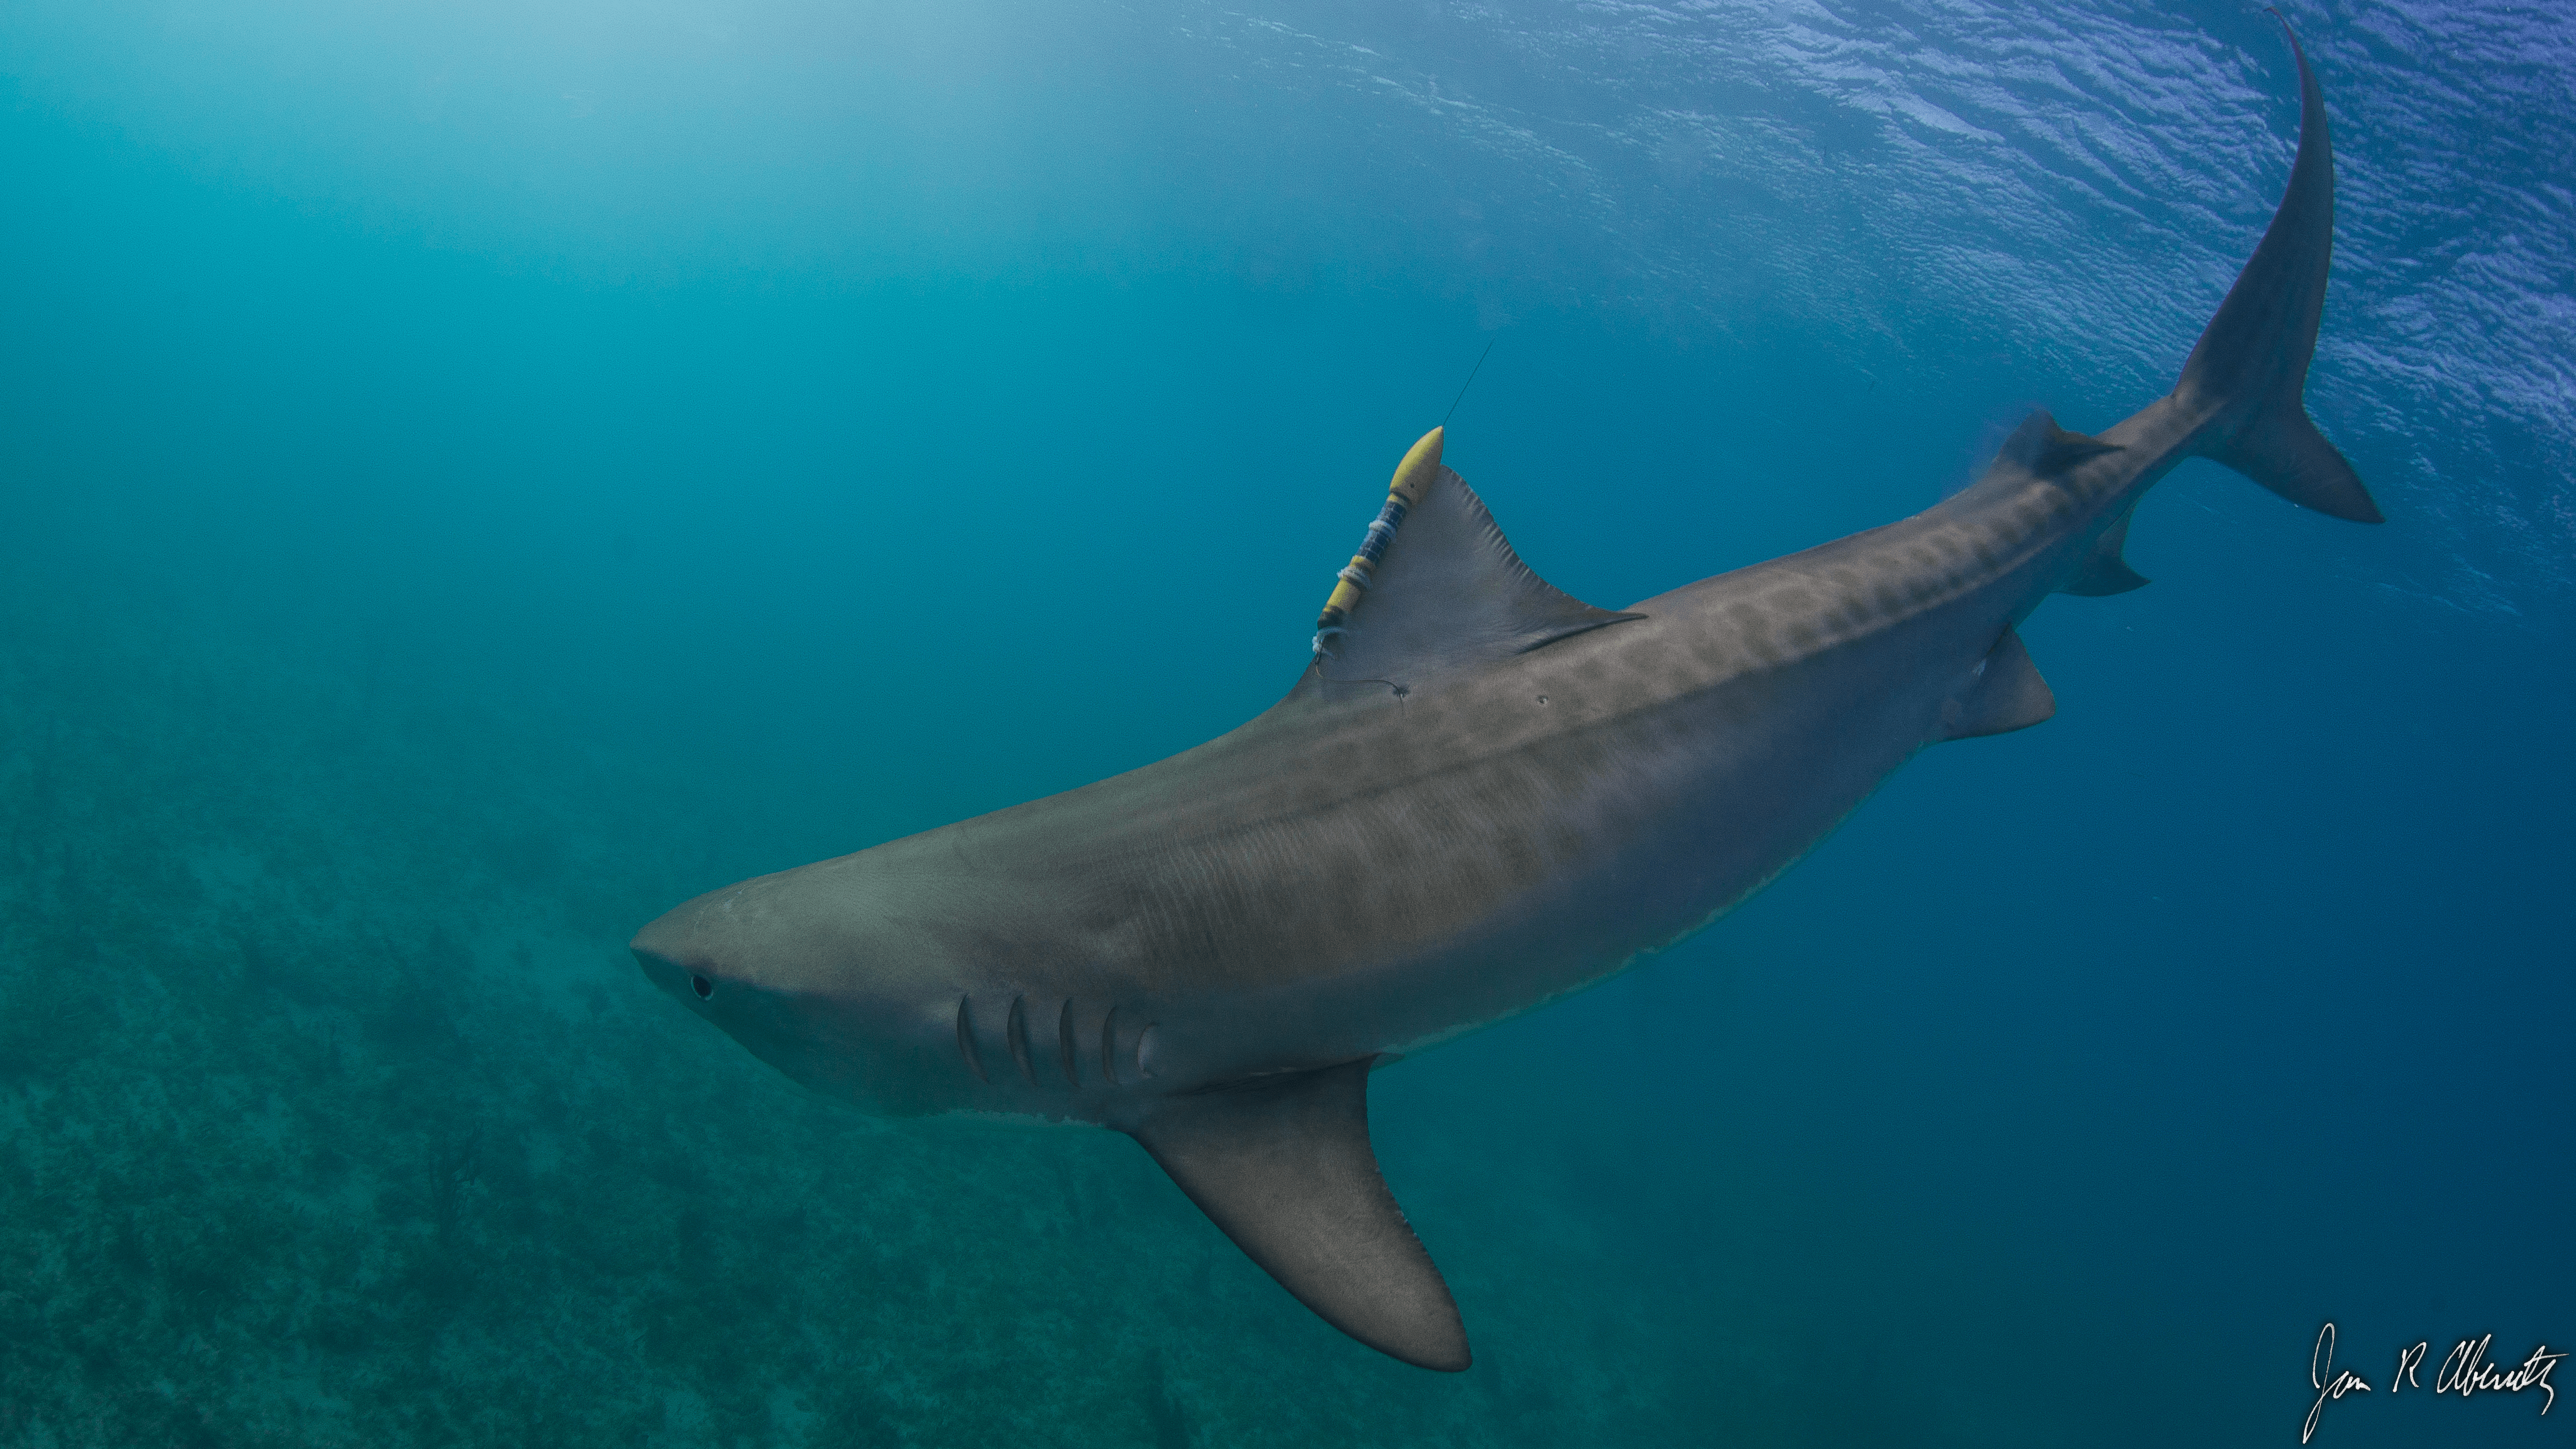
[[2251, 365]]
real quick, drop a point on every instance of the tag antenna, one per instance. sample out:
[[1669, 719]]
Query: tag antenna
[[1470, 382]]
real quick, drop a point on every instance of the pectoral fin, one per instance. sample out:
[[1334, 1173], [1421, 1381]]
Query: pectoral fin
[[1284, 1167]]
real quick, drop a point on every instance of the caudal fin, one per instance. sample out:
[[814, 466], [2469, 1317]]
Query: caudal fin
[[2251, 365]]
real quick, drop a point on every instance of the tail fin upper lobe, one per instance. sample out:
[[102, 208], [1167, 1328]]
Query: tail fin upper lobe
[[2251, 365]]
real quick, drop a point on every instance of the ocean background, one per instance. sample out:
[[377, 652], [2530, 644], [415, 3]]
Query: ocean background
[[474, 475]]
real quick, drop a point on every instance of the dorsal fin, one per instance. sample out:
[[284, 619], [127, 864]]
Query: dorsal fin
[[1451, 592], [1284, 1167]]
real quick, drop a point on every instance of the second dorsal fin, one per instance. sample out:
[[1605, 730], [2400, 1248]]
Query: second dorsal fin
[[1451, 592], [2039, 448]]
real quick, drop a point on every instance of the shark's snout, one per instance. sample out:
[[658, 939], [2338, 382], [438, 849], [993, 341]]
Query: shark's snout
[[670, 975]]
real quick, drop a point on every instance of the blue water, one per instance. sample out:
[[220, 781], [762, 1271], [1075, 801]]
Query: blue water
[[472, 476]]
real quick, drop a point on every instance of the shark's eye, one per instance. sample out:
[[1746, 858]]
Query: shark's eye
[[702, 986]]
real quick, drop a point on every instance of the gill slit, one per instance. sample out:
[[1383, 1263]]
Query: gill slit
[[1018, 1035], [966, 1041]]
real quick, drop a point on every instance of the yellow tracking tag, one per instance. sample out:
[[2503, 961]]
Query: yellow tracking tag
[[1412, 480]]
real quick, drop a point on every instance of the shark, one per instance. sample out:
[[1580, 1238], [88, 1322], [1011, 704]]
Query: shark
[[1480, 795]]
